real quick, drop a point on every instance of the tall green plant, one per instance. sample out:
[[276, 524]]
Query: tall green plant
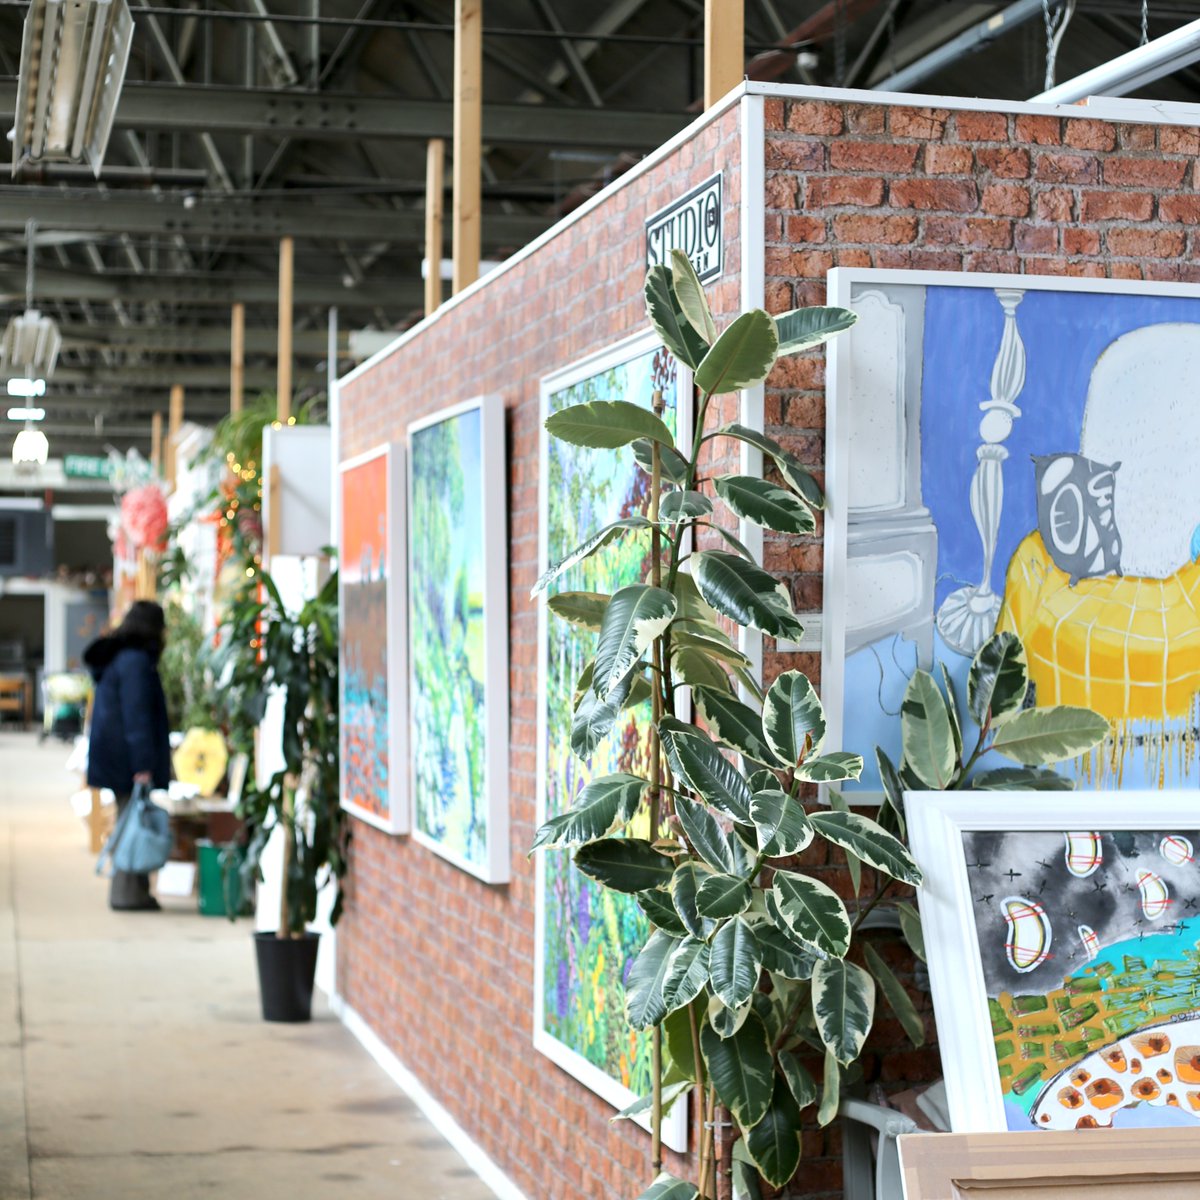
[[751, 963], [264, 646]]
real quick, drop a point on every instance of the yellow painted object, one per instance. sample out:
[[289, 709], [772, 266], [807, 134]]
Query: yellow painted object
[[201, 760], [1127, 647]]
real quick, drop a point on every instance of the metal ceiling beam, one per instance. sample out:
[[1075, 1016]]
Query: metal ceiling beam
[[258, 379], [218, 110], [396, 295], [968, 42], [182, 339], [213, 216]]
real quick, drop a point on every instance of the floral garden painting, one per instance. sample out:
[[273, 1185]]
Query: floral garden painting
[[447, 685], [589, 935], [365, 567]]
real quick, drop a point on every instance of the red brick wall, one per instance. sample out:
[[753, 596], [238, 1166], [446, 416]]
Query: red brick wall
[[440, 965], [437, 963]]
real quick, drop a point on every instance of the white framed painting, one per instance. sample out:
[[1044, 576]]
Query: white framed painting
[[458, 635], [373, 613], [1062, 931], [586, 937], [1016, 452]]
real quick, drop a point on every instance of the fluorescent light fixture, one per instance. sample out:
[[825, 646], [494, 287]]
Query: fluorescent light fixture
[[27, 389], [30, 448], [73, 59], [31, 344], [1128, 72], [26, 414]]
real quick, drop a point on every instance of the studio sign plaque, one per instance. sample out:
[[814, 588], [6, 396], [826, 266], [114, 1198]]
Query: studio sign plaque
[[691, 224]]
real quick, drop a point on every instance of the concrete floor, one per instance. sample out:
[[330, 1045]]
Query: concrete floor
[[133, 1059]]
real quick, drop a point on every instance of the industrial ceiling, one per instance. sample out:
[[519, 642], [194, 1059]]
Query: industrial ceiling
[[242, 120]]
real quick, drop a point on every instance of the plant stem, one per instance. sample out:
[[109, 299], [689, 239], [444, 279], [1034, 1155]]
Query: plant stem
[[286, 821], [695, 1028], [656, 1113]]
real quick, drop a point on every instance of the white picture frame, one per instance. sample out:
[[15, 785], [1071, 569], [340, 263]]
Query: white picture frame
[[396, 818], [488, 858], [896, 542], [612, 1090], [950, 899]]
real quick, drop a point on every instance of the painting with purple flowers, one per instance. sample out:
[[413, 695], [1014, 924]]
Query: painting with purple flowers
[[588, 936]]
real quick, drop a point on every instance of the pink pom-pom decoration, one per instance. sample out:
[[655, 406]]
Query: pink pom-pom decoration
[[144, 515]]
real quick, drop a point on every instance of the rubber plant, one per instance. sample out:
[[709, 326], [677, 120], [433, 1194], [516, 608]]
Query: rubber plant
[[750, 966]]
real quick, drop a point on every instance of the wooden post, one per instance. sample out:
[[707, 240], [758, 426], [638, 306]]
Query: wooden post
[[175, 422], [435, 183], [237, 358], [724, 47], [156, 443], [286, 275], [468, 140]]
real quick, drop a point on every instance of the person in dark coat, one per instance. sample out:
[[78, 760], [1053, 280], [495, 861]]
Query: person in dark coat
[[129, 742]]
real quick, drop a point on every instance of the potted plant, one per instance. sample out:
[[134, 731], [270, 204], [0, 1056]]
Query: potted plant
[[755, 981], [263, 646]]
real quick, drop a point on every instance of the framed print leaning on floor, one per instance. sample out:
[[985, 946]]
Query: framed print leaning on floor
[[586, 936], [1062, 931], [1014, 452], [372, 612], [458, 631]]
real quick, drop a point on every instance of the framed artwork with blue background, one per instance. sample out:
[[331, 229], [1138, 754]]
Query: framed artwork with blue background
[[1011, 452]]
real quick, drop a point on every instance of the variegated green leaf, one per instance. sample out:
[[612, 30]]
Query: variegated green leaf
[[585, 609], [746, 594], [834, 767], [803, 328], [793, 718], [813, 912], [735, 963], [624, 864], [666, 315], [800, 1083], [843, 1000], [1033, 779], [607, 424], [741, 1069], [865, 839], [660, 911], [667, 1187], [672, 466], [764, 504], [685, 886], [690, 294], [594, 717], [687, 973], [721, 896], [641, 1108], [897, 998], [1040, 736], [926, 734], [635, 616], [676, 507], [831, 1087], [998, 680], [782, 953], [604, 806], [644, 1004], [705, 834], [587, 547], [782, 826], [697, 761], [733, 723], [741, 357], [793, 471], [774, 1142]]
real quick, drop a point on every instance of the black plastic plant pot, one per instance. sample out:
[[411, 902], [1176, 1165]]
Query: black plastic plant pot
[[286, 969]]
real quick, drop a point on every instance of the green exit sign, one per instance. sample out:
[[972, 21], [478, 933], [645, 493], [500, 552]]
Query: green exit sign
[[87, 466]]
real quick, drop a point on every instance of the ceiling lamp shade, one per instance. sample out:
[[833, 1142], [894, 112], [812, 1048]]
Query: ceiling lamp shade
[[30, 448], [31, 345], [73, 59]]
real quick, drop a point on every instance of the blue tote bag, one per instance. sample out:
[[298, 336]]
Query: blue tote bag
[[141, 840]]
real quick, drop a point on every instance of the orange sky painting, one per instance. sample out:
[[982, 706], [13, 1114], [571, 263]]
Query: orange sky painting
[[364, 516]]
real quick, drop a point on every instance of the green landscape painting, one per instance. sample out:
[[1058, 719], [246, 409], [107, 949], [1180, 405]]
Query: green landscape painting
[[446, 629], [590, 934]]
